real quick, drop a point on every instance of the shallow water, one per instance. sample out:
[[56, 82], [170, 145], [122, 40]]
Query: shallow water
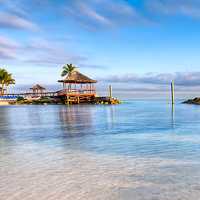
[[138, 150]]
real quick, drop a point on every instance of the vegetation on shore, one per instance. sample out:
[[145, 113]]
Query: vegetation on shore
[[106, 100], [54, 101], [40, 101]]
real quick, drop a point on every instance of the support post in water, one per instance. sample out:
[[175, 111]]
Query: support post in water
[[172, 92], [110, 91]]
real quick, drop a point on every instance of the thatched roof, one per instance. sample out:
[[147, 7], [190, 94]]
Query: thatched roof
[[37, 87], [77, 77]]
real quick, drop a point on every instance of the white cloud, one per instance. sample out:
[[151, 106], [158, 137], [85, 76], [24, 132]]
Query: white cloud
[[8, 43], [8, 48], [16, 22], [6, 53], [95, 14], [180, 78], [189, 8]]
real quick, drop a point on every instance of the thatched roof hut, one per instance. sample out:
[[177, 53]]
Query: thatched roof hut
[[77, 78], [38, 88]]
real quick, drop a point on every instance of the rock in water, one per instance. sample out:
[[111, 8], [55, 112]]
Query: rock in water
[[195, 101]]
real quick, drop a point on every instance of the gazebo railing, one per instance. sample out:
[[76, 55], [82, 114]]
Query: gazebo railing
[[77, 91]]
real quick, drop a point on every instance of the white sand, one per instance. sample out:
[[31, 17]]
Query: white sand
[[4, 103]]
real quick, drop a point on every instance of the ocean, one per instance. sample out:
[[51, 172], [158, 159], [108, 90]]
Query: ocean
[[140, 149]]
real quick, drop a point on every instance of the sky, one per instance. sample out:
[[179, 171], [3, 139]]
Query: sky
[[138, 45]]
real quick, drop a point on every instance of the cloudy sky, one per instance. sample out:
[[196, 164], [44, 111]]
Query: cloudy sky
[[131, 43]]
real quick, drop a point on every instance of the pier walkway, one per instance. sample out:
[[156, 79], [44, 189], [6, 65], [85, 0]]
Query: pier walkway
[[68, 95], [27, 94]]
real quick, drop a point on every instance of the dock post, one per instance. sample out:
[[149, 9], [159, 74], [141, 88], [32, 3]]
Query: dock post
[[110, 91], [172, 92], [67, 100], [78, 100]]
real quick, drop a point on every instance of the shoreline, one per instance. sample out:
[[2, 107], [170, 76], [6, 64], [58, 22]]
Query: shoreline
[[5, 103]]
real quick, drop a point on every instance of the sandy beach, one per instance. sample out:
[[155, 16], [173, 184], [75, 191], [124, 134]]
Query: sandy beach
[[4, 103]]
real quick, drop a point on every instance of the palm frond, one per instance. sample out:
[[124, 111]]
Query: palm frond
[[67, 69]]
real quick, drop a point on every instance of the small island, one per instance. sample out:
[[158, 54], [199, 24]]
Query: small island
[[76, 88]]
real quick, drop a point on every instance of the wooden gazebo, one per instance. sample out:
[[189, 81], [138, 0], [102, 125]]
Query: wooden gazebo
[[78, 87], [38, 89]]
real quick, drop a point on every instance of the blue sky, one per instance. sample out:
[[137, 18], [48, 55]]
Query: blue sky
[[132, 43]]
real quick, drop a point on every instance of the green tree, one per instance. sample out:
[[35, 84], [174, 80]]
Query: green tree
[[68, 69], [6, 79]]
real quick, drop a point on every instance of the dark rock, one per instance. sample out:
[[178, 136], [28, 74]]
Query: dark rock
[[195, 101]]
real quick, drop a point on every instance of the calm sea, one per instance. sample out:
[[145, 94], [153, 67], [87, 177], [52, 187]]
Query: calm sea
[[138, 150]]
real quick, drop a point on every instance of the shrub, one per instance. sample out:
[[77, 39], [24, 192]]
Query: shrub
[[20, 99]]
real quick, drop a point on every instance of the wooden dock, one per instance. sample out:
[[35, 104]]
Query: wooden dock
[[77, 96], [68, 96], [31, 94]]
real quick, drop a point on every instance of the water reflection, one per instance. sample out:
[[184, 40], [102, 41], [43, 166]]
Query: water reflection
[[4, 120], [76, 120], [110, 116], [131, 129], [173, 115]]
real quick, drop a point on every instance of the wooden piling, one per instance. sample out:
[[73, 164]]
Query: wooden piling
[[78, 99], [68, 100], [172, 92], [110, 91]]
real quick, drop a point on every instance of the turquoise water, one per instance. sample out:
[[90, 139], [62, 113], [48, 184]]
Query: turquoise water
[[141, 148]]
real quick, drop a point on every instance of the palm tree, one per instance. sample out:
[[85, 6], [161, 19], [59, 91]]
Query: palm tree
[[3, 73], [68, 69], [9, 80], [5, 80]]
